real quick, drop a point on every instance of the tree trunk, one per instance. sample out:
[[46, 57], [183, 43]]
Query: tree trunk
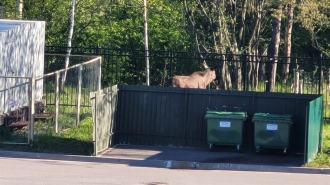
[[238, 43], [263, 60], [274, 50], [253, 46], [249, 72], [67, 57], [287, 42]]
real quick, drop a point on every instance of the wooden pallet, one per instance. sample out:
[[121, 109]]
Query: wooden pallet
[[19, 124], [43, 116]]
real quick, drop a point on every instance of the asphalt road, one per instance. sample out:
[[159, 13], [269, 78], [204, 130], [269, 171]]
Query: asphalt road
[[47, 172]]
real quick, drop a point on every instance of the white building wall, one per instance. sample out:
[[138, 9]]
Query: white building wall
[[22, 46]]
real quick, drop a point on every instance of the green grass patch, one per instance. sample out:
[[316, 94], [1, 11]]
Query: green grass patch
[[76, 140], [323, 158], [83, 132]]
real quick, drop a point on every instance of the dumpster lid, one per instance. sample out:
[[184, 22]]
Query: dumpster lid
[[273, 117], [224, 114]]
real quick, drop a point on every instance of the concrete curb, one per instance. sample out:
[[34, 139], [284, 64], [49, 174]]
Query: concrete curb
[[170, 164]]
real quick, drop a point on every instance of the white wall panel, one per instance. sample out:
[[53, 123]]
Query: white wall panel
[[22, 46]]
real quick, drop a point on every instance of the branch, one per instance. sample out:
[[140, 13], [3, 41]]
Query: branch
[[204, 12]]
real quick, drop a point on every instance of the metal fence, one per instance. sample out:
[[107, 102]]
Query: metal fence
[[62, 95], [306, 75], [69, 103]]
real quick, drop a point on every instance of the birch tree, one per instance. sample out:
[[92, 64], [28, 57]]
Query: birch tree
[[70, 34]]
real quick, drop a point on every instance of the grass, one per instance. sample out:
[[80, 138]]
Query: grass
[[76, 140], [323, 158]]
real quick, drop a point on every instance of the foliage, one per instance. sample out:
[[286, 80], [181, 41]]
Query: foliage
[[314, 17], [216, 26], [116, 24]]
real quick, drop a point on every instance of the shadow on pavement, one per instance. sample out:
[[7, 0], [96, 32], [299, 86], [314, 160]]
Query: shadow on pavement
[[185, 158], [219, 155]]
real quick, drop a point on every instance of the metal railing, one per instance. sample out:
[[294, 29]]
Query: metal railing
[[234, 72], [71, 102]]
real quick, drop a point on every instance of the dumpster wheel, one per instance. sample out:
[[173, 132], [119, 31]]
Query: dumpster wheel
[[258, 149], [211, 147], [239, 149]]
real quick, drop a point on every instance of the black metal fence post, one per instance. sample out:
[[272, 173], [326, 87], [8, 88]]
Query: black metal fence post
[[97, 50], [171, 62], [320, 74], [244, 65]]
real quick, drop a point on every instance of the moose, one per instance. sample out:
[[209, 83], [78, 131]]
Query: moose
[[199, 79]]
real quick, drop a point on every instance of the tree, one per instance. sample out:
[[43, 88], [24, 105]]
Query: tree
[[67, 57], [276, 32], [288, 39], [233, 27], [313, 15], [209, 26]]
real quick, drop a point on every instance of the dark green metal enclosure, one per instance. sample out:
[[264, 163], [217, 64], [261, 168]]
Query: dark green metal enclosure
[[165, 116], [314, 128]]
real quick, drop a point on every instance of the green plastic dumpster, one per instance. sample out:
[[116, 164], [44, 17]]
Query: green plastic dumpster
[[225, 128], [272, 130]]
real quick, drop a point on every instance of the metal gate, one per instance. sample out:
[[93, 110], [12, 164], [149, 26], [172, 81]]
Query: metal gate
[[314, 129], [104, 103]]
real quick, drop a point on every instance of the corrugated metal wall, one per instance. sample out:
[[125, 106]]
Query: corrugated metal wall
[[175, 117]]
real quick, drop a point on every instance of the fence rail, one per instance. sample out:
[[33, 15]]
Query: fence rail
[[234, 72], [72, 103]]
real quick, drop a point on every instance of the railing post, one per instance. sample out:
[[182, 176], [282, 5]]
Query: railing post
[[31, 111], [320, 74], [97, 49], [99, 71], [244, 65], [296, 81], [92, 97], [57, 103], [78, 94], [171, 63]]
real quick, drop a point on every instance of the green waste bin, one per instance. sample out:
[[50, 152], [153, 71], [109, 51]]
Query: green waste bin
[[272, 130], [225, 128]]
